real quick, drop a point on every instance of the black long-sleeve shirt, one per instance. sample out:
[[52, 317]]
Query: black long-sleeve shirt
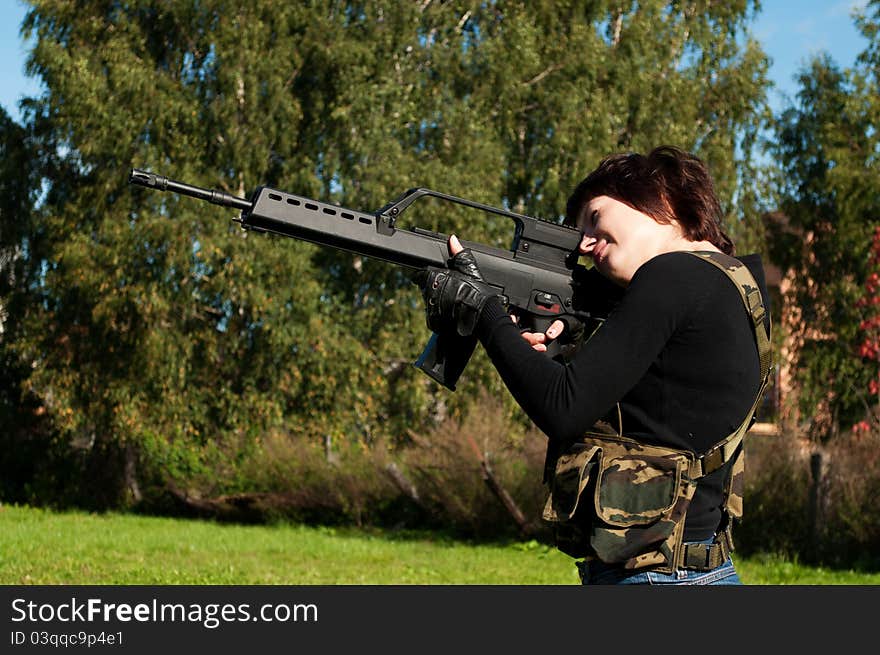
[[677, 351]]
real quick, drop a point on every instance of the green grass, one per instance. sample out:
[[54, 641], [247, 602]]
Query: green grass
[[44, 547]]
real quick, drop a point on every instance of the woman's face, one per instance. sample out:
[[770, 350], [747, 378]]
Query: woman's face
[[620, 238]]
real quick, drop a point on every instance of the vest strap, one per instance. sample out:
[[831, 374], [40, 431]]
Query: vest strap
[[756, 308], [739, 274]]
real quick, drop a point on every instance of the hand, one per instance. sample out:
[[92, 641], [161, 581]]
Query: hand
[[455, 297], [537, 340]]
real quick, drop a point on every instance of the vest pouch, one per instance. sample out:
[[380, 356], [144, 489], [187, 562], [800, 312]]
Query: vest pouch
[[642, 495], [569, 505], [637, 489]]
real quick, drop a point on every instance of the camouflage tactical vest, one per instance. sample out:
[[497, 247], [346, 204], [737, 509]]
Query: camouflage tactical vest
[[624, 502]]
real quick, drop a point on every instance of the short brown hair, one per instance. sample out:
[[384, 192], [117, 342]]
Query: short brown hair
[[666, 184]]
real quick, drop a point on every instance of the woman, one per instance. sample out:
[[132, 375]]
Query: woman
[[674, 371]]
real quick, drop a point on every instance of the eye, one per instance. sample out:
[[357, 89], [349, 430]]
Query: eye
[[589, 219]]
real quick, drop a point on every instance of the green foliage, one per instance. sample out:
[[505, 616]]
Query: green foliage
[[25, 439], [160, 343], [827, 187]]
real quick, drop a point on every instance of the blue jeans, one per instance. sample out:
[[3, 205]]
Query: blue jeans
[[596, 572]]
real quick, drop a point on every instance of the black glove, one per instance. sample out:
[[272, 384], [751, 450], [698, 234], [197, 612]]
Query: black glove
[[455, 296]]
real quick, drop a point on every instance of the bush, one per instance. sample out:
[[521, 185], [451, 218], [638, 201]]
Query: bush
[[480, 476], [775, 510], [849, 529], [814, 503]]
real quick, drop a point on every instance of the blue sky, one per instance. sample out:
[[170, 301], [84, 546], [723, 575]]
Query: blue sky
[[790, 30]]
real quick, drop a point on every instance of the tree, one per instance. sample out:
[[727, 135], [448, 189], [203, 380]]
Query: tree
[[826, 146], [21, 426]]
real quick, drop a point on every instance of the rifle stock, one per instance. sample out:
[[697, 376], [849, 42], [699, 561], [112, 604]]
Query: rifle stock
[[539, 276]]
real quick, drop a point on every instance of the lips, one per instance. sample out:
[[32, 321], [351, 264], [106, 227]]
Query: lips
[[599, 250]]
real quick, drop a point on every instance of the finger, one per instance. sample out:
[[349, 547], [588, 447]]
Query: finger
[[534, 338], [454, 246], [555, 329]]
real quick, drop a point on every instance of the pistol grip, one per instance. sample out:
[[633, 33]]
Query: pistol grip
[[445, 357]]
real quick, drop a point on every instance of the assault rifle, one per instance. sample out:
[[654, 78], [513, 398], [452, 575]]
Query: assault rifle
[[539, 276]]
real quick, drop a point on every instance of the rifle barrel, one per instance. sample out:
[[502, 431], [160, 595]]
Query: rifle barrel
[[162, 183]]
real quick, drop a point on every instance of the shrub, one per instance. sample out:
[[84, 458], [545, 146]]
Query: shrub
[[440, 480], [817, 503], [455, 466], [776, 498]]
